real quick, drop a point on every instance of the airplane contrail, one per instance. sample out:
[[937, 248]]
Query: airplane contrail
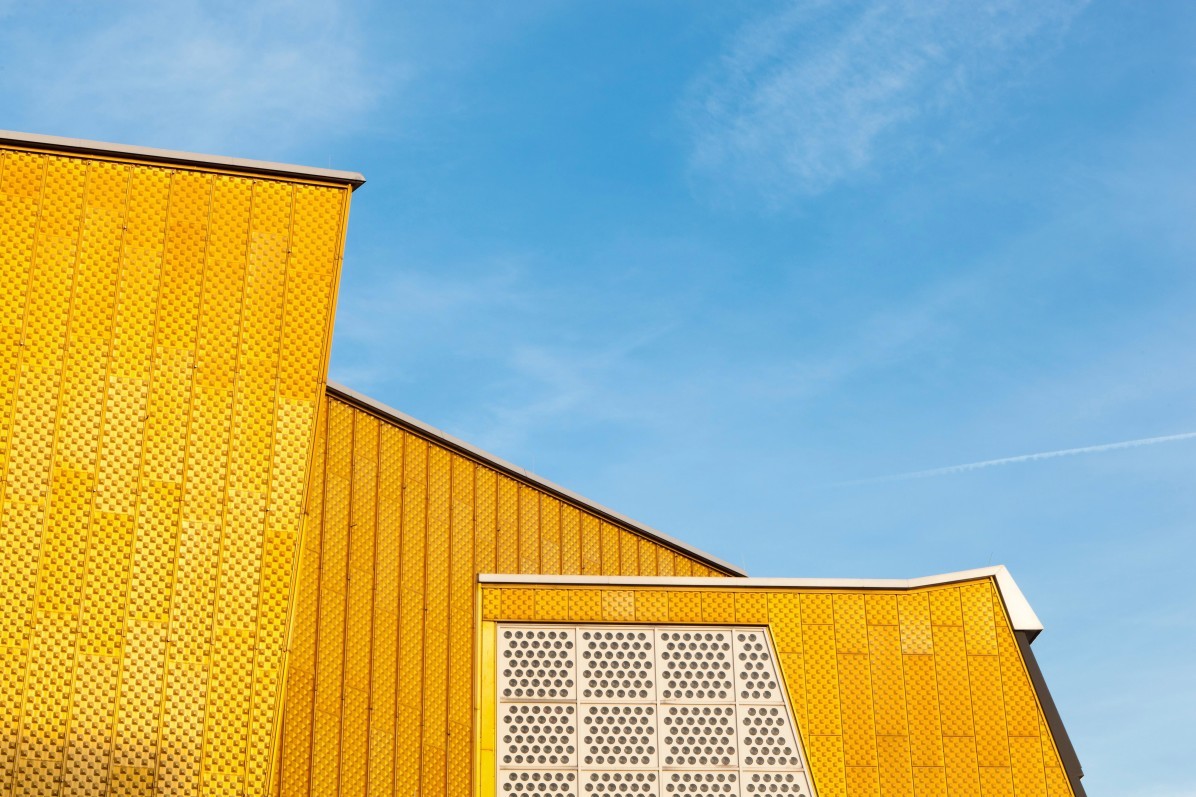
[[989, 463]]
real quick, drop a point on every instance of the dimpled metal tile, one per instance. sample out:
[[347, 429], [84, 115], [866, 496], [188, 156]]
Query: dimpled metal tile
[[643, 710]]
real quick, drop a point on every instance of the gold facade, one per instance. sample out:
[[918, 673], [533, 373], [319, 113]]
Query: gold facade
[[155, 435], [913, 692], [217, 579], [380, 690]]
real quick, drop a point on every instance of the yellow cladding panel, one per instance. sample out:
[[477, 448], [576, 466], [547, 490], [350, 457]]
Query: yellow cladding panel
[[380, 694], [155, 435], [919, 693]]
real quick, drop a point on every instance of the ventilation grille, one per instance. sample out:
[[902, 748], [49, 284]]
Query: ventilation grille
[[537, 664], [768, 741], [619, 736], [538, 734], [617, 665], [699, 737], [538, 783], [697, 666], [790, 784], [697, 784], [756, 679], [592, 711], [644, 783]]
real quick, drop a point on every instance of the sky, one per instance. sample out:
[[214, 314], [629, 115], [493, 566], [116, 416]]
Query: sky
[[862, 288]]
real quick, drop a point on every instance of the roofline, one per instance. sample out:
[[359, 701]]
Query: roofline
[[173, 157], [1021, 615], [1063, 745], [473, 452]]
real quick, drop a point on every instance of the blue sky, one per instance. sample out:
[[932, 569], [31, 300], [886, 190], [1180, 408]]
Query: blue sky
[[724, 266]]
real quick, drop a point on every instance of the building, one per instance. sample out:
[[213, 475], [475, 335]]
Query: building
[[222, 575]]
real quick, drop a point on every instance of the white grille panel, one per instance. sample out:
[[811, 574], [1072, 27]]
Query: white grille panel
[[696, 666], [619, 736], [699, 737], [538, 734], [756, 673], [609, 782], [781, 784], [536, 783], [643, 711], [701, 784], [767, 738], [617, 664], [537, 663]]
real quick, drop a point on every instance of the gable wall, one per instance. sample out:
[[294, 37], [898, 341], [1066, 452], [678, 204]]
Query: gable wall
[[380, 687]]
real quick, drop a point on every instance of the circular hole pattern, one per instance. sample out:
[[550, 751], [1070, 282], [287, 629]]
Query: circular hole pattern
[[537, 663], [622, 736], [621, 783], [767, 738], [781, 783], [539, 783], [697, 665], [538, 735], [688, 783], [616, 665], [753, 662], [699, 736]]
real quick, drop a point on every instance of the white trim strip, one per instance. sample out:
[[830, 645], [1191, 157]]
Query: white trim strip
[[1021, 614], [390, 413], [12, 138]]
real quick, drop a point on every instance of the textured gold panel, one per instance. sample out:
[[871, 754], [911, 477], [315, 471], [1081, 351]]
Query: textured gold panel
[[888, 679], [155, 436]]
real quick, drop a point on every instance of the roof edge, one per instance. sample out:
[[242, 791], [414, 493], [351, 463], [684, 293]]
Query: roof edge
[[1050, 712], [402, 419], [1021, 614], [173, 157]]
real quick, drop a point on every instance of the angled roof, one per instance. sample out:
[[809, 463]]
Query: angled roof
[[103, 149], [497, 463], [1021, 615]]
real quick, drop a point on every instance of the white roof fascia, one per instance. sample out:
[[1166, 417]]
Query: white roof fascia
[[501, 464], [13, 138], [1021, 615]]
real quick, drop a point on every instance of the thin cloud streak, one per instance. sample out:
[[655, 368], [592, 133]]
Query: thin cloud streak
[[990, 463]]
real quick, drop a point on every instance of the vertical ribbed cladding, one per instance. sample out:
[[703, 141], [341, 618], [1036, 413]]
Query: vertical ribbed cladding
[[399, 524]]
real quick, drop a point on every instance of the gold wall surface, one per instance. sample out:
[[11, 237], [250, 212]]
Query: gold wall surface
[[380, 688], [913, 693], [165, 338]]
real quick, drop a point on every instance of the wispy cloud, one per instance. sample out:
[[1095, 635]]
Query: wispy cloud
[[252, 76], [818, 92], [992, 463]]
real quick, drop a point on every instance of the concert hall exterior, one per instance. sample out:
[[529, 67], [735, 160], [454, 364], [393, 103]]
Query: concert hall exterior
[[222, 575]]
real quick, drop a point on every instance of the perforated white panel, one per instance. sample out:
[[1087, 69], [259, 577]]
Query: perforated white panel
[[537, 663], [696, 665], [617, 665], [664, 711]]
